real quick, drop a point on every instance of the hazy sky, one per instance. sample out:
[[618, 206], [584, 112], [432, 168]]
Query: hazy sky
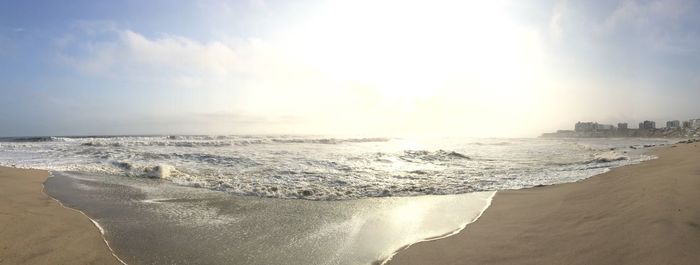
[[389, 68]]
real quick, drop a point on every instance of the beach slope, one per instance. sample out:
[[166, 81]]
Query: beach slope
[[647, 213], [35, 229]]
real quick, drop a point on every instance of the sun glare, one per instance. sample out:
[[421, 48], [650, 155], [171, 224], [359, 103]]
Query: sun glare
[[410, 50], [417, 62]]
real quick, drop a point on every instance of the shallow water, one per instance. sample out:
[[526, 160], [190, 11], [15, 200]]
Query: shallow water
[[156, 222]]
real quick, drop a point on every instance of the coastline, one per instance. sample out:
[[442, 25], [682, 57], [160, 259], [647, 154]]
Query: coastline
[[644, 213], [37, 229], [439, 237], [43, 183]]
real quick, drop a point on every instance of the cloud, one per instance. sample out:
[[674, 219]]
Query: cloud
[[131, 53], [258, 4], [627, 58], [555, 27], [662, 25], [629, 25], [179, 60], [234, 76], [654, 15]]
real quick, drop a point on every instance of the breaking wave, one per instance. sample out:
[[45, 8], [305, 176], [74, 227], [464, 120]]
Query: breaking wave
[[30, 139], [494, 144], [324, 168], [608, 157], [439, 155], [206, 141]]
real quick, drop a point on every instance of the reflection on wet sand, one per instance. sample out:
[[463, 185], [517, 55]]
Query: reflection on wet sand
[[154, 222]]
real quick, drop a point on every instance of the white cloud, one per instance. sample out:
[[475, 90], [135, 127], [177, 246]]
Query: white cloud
[[652, 15], [249, 76], [555, 27], [658, 25], [132, 52]]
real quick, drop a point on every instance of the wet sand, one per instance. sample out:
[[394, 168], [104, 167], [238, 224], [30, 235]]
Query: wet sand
[[149, 221], [35, 229], [647, 213]]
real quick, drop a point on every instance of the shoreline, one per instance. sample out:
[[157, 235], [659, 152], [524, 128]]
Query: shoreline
[[95, 223], [346, 232], [460, 229], [37, 229], [388, 259], [569, 223], [439, 237]]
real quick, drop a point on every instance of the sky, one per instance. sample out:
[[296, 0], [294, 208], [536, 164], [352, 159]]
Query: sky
[[376, 68]]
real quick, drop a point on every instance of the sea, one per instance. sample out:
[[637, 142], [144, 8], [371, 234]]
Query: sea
[[290, 199]]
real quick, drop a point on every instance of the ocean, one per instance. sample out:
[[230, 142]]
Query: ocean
[[296, 199]]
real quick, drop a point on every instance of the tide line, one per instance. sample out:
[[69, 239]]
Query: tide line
[[97, 225], [488, 204]]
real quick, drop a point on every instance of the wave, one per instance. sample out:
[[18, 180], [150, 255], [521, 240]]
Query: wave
[[600, 158], [188, 140], [158, 143], [96, 143], [439, 155], [495, 144], [160, 171], [607, 158], [123, 165], [212, 159], [30, 139], [329, 140], [314, 168], [208, 141], [215, 159]]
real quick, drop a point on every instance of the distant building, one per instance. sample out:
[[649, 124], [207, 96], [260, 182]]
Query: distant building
[[622, 126], [694, 123], [673, 124], [650, 124], [686, 124], [585, 126], [604, 127], [592, 127], [647, 125]]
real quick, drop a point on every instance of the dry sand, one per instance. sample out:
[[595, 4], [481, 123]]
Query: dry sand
[[640, 214], [35, 229]]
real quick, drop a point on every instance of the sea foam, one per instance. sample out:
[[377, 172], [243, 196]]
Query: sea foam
[[329, 168]]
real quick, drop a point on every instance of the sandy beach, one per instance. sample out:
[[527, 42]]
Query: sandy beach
[[647, 213], [639, 214], [35, 229]]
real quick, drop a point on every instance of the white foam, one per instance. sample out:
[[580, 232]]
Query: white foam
[[318, 168], [159, 171], [156, 200]]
